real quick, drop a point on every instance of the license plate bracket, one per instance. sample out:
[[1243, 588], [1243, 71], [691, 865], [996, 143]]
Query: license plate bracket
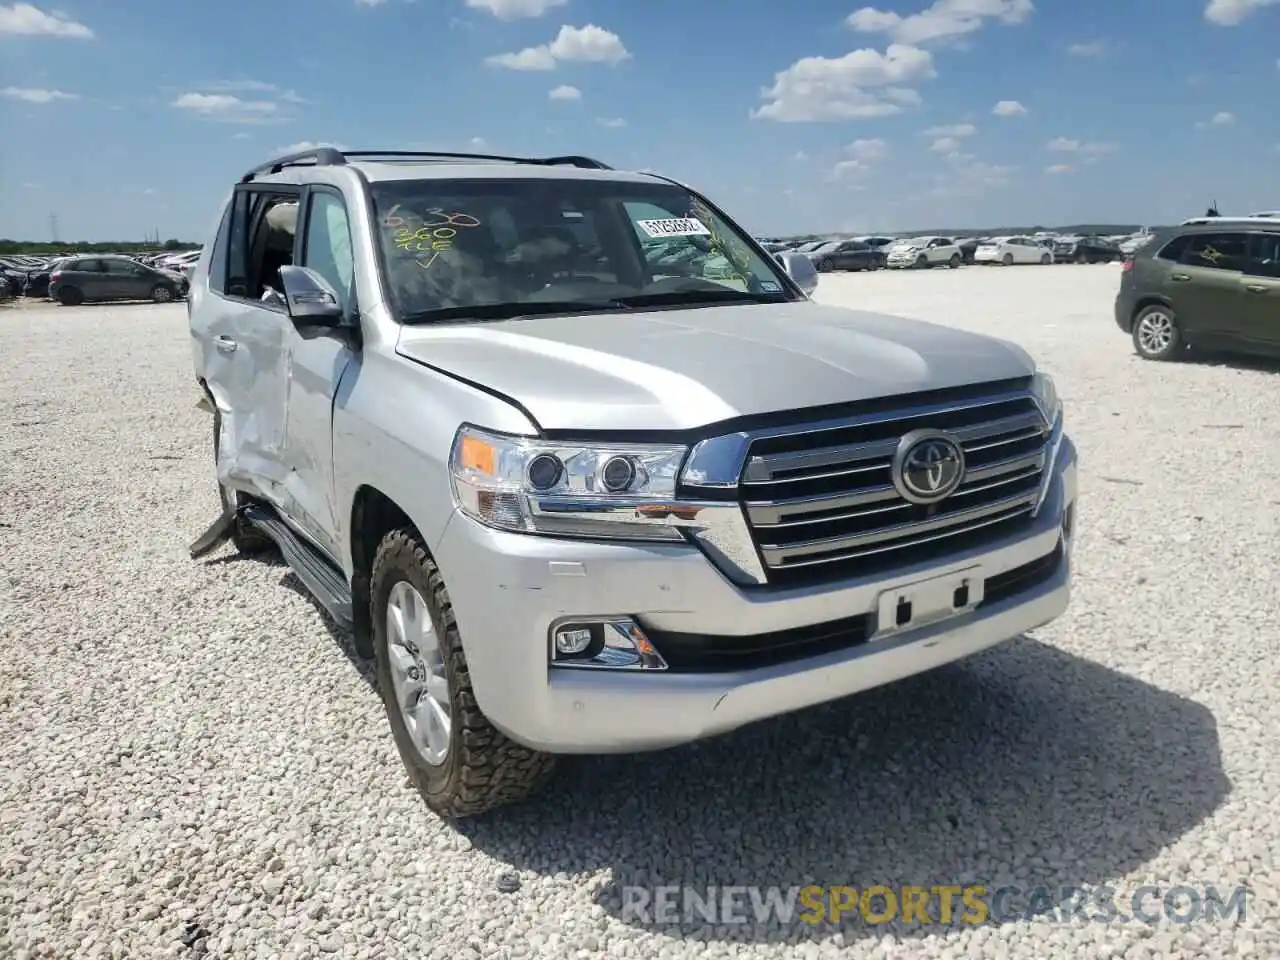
[[920, 602]]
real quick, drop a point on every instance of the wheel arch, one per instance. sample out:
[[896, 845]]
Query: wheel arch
[[1150, 300], [373, 515]]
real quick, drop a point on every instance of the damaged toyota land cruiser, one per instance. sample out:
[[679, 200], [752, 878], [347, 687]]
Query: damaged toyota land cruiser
[[584, 469]]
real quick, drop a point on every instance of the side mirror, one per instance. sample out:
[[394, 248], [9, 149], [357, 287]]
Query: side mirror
[[800, 269], [310, 299]]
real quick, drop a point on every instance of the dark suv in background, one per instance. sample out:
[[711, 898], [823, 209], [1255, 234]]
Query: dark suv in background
[[1212, 283], [78, 279]]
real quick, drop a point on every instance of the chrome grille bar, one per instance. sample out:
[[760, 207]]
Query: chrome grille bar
[[825, 495]]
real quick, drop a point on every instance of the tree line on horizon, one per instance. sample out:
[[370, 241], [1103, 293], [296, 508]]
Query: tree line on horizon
[[36, 248]]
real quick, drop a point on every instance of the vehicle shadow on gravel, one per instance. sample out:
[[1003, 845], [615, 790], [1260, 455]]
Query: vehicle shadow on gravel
[[1026, 766], [1256, 364]]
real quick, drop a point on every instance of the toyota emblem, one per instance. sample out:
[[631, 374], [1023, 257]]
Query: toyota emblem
[[928, 466]]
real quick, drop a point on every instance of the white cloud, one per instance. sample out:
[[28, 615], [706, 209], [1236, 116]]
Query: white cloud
[[565, 92], [1059, 168], [800, 155], [941, 21], [1067, 145], [515, 9], [613, 123], [477, 143], [35, 95], [589, 44], [945, 145], [1009, 108], [25, 20], [847, 168], [1231, 13], [227, 108], [304, 145], [868, 150], [953, 130], [256, 86], [863, 83], [1223, 118], [1095, 48]]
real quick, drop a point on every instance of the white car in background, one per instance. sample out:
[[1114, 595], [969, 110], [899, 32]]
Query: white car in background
[[923, 252], [1010, 250]]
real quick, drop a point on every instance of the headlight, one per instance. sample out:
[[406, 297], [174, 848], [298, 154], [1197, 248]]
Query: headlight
[[528, 485], [1045, 392]]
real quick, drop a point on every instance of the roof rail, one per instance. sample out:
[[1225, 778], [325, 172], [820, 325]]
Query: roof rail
[[332, 157], [319, 157], [1249, 218]]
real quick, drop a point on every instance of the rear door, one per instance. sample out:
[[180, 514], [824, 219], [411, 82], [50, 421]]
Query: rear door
[[1260, 319], [243, 344], [122, 280], [1205, 285]]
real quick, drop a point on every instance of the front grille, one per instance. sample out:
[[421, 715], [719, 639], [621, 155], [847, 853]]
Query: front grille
[[821, 504], [703, 653]]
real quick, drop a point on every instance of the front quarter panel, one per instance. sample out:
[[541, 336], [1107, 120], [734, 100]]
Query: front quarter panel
[[394, 421]]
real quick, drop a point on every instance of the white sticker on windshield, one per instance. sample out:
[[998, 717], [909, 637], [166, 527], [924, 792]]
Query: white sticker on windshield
[[769, 286], [675, 227]]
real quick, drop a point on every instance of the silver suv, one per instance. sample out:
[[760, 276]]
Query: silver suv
[[586, 471]]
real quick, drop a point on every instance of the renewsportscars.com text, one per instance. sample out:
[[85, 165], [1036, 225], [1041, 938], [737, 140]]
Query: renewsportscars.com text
[[941, 904]]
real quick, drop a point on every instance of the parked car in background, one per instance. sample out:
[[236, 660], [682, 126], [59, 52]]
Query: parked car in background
[[1010, 250], [81, 279], [1214, 285], [922, 252], [1085, 250], [846, 255]]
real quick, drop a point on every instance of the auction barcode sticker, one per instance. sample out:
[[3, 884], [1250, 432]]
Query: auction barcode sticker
[[676, 227]]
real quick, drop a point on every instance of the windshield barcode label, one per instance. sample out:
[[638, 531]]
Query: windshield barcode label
[[676, 227]]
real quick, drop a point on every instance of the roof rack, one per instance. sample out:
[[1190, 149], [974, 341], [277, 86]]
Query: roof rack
[[1248, 218], [332, 157]]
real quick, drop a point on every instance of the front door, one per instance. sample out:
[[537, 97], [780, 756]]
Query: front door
[[1204, 285], [318, 360], [1260, 320]]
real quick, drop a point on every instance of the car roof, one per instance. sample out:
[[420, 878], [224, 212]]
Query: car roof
[[380, 172]]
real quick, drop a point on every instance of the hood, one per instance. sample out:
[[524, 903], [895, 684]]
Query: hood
[[679, 369]]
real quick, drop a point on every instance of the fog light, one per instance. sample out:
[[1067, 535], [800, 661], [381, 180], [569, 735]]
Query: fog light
[[571, 641], [608, 643]]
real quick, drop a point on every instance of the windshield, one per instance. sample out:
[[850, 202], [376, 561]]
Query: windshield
[[496, 248]]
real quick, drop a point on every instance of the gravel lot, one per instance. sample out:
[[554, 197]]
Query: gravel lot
[[189, 751]]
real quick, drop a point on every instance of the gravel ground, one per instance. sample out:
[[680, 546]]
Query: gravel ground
[[191, 761]]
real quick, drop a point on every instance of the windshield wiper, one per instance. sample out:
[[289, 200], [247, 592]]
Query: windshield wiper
[[680, 297], [486, 312]]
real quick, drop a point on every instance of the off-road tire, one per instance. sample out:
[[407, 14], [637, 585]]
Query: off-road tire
[[70, 297], [483, 768], [244, 537]]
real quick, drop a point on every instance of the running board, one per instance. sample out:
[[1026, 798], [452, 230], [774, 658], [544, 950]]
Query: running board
[[321, 578]]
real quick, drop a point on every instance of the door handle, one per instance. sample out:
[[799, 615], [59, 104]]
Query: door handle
[[1255, 288], [226, 345], [1180, 277]]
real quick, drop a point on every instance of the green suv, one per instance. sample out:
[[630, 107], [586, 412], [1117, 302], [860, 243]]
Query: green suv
[[1211, 282]]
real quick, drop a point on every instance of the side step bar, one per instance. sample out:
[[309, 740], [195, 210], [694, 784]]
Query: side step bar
[[321, 578]]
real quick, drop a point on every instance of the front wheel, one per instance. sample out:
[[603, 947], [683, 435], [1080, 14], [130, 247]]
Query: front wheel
[[461, 764], [161, 294], [1007, 260], [824, 266], [922, 262], [1045, 259], [954, 262], [1155, 333]]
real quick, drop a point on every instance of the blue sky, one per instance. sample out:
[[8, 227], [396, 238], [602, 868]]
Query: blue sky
[[124, 116]]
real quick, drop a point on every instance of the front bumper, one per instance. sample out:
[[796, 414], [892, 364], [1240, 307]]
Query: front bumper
[[508, 589]]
